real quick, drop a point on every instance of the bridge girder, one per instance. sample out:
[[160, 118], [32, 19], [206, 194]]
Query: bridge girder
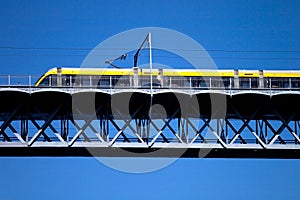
[[254, 125]]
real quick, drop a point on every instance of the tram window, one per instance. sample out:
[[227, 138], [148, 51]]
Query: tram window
[[244, 82], [123, 81], [167, 81], [254, 82], [195, 82], [78, 80], [280, 82], [216, 82], [85, 80], [266, 82], [81, 80], [53, 80], [96, 79], [226, 82], [115, 79], [103, 82], [45, 81], [295, 82], [176, 81], [65, 80], [274, 83], [286, 83], [73, 78], [208, 82], [142, 80], [173, 82], [198, 82], [75, 81], [203, 83], [186, 81], [179, 81]]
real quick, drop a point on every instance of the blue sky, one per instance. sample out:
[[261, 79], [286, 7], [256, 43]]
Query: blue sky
[[259, 26], [37, 35]]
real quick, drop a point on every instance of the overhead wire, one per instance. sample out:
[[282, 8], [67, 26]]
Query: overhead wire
[[24, 51], [157, 56], [118, 48]]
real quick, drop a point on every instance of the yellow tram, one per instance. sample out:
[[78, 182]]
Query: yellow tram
[[170, 78]]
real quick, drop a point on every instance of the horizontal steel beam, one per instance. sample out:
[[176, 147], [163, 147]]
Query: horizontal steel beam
[[253, 126], [148, 152], [227, 91]]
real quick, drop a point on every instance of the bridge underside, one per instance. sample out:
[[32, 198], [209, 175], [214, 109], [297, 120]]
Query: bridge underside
[[148, 153], [53, 122]]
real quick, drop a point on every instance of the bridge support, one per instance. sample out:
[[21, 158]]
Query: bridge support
[[256, 124], [230, 134]]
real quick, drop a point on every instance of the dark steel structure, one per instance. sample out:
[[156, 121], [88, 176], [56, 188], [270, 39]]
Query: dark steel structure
[[143, 122]]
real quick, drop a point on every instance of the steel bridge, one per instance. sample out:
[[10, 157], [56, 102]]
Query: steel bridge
[[144, 122]]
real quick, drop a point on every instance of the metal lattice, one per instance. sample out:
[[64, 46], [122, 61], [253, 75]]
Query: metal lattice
[[269, 128]]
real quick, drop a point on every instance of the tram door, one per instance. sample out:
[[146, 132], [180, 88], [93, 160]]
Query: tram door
[[236, 81], [261, 79], [135, 77], [59, 76]]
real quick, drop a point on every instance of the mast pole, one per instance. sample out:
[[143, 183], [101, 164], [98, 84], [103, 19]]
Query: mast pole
[[150, 62]]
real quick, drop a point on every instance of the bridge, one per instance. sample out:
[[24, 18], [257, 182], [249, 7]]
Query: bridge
[[149, 122]]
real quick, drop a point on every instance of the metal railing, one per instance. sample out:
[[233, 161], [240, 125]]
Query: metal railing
[[144, 82], [18, 80]]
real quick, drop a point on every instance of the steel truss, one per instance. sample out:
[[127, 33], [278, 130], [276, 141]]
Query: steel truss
[[60, 134]]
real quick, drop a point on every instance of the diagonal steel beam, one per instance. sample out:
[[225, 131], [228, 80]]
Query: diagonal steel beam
[[50, 126], [161, 130], [6, 138], [120, 130], [95, 132], [132, 129], [253, 133], [15, 132], [256, 136], [6, 123], [77, 126], [198, 132], [81, 130], [173, 131], [136, 133], [246, 122], [155, 138], [237, 135], [45, 125], [56, 133], [38, 128], [284, 124], [45, 119], [279, 130], [90, 126], [215, 133], [276, 134]]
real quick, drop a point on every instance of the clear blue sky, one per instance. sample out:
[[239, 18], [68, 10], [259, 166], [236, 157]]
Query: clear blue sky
[[251, 35]]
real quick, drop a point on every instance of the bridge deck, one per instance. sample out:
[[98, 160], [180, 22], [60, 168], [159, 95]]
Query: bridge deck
[[165, 122]]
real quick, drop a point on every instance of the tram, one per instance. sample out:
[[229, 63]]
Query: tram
[[168, 78]]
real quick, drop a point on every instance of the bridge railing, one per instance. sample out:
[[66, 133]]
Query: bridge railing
[[18, 80], [125, 82]]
